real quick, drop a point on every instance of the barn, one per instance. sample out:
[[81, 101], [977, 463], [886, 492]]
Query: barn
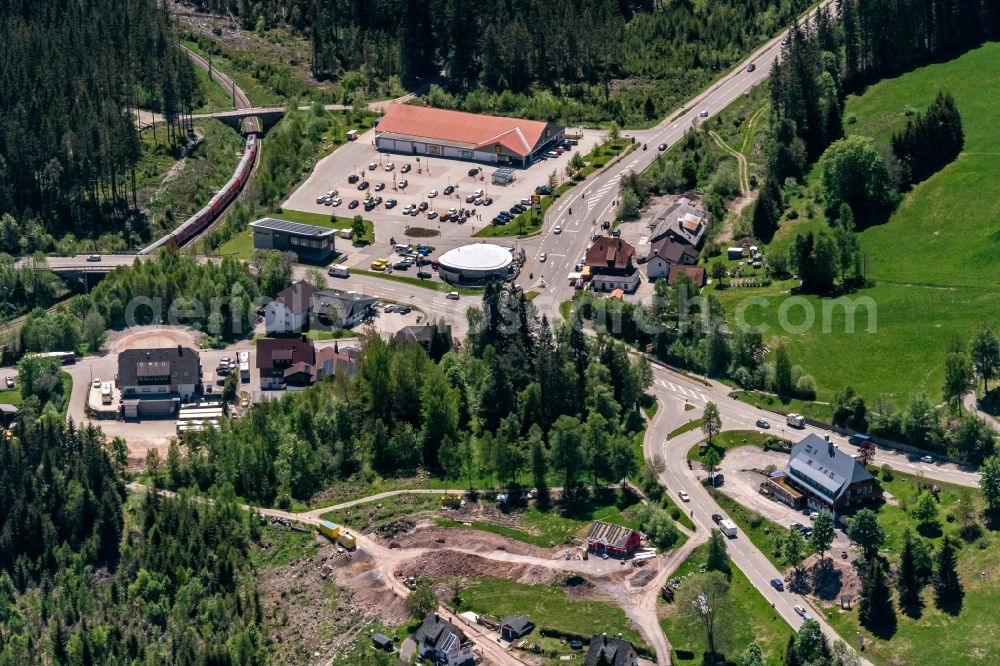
[[422, 130], [614, 540]]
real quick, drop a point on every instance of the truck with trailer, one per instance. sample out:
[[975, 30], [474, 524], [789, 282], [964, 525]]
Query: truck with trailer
[[330, 530], [728, 528], [795, 420], [347, 540]]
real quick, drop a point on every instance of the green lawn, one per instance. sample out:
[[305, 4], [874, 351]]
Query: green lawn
[[693, 424], [11, 397], [816, 410], [731, 439], [386, 510], [558, 525], [761, 531], [970, 637], [550, 607], [934, 263], [753, 619], [213, 96]]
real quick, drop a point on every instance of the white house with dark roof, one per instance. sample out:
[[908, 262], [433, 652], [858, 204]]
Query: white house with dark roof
[[682, 222], [289, 311], [825, 477]]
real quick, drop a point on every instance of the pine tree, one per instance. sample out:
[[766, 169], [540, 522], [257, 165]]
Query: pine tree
[[791, 656], [948, 590], [908, 583], [875, 610], [717, 558]]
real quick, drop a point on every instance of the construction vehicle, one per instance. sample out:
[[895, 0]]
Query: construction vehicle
[[452, 502]]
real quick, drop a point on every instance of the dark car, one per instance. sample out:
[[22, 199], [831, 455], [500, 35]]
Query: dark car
[[422, 206], [354, 204], [217, 31], [777, 584], [717, 517], [642, 259], [487, 201], [449, 189], [401, 266], [751, 67], [363, 185], [423, 275], [762, 423], [473, 171], [379, 187], [390, 203], [404, 168], [662, 147], [353, 178], [370, 205], [543, 189]]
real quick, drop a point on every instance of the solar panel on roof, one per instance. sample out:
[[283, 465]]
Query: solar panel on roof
[[296, 228]]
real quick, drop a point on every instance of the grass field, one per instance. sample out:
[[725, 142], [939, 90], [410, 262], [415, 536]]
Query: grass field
[[935, 262], [761, 531], [386, 510], [970, 637], [213, 97], [753, 619], [731, 439], [817, 410], [550, 607]]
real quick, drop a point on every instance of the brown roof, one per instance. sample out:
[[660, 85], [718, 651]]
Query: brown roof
[[295, 350], [609, 252], [696, 273], [297, 298], [673, 252], [475, 130]]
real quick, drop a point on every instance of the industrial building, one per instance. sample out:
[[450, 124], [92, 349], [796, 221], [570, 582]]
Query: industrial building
[[475, 264], [308, 242], [421, 130]]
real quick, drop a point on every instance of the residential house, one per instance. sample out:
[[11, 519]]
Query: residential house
[[514, 627], [382, 642], [695, 273], [611, 651], [424, 335], [340, 309], [154, 382], [665, 253], [610, 262], [614, 540], [823, 477], [681, 222], [441, 642], [289, 311], [337, 361], [282, 359]]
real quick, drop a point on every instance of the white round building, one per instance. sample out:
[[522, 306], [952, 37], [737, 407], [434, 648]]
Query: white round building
[[475, 264]]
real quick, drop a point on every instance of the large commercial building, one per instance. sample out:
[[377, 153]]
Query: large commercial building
[[421, 130], [477, 263], [154, 382], [308, 242]]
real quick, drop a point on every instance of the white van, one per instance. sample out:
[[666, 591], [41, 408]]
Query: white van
[[339, 271]]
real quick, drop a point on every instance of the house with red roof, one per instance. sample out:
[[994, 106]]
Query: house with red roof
[[422, 130], [610, 262], [285, 362]]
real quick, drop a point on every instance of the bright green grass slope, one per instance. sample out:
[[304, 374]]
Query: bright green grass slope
[[935, 263]]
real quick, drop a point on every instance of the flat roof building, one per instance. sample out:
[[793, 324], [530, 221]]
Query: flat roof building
[[423, 130], [477, 263], [308, 242]]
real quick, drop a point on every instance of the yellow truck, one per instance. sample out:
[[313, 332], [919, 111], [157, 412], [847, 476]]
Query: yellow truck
[[451, 501], [330, 530]]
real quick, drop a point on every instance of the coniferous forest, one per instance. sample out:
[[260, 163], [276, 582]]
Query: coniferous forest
[[69, 73]]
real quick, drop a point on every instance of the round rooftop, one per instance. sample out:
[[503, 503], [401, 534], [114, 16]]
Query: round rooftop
[[477, 257]]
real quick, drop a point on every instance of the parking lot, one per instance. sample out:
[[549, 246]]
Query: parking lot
[[408, 182]]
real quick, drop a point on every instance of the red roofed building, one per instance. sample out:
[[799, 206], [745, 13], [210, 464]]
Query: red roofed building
[[614, 540], [696, 273], [277, 356], [423, 130], [610, 262]]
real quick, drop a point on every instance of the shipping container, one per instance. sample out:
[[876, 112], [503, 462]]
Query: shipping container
[[330, 530]]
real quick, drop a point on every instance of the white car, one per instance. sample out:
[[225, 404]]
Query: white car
[[390, 166], [557, 230], [402, 184], [97, 382], [703, 114], [542, 257], [803, 612], [453, 295], [10, 382], [927, 459], [321, 199], [684, 496], [336, 201], [372, 166], [432, 194]]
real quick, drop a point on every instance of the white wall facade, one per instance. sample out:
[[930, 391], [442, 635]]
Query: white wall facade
[[279, 319]]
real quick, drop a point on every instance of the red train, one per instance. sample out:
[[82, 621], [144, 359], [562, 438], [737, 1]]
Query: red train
[[197, 222]]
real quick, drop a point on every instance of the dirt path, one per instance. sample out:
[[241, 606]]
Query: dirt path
[[740, 159]]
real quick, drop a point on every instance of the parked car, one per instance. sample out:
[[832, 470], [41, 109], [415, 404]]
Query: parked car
[[642, 259], [778, 584], [97, 382], [353, 178], [404, 169], [432, 214], [423, 206], [423, 274], [487, 201], [390, 203], [363, 185], [432, 194], [796, 526], [10, 382], [354, 204], [390, 166], [401, 265], [379, 187], [470, 198], [762, 423], [336, 201], [402, 184], [684, 496], [372, 166], [474, 171], [449, 189], [543, 189]]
